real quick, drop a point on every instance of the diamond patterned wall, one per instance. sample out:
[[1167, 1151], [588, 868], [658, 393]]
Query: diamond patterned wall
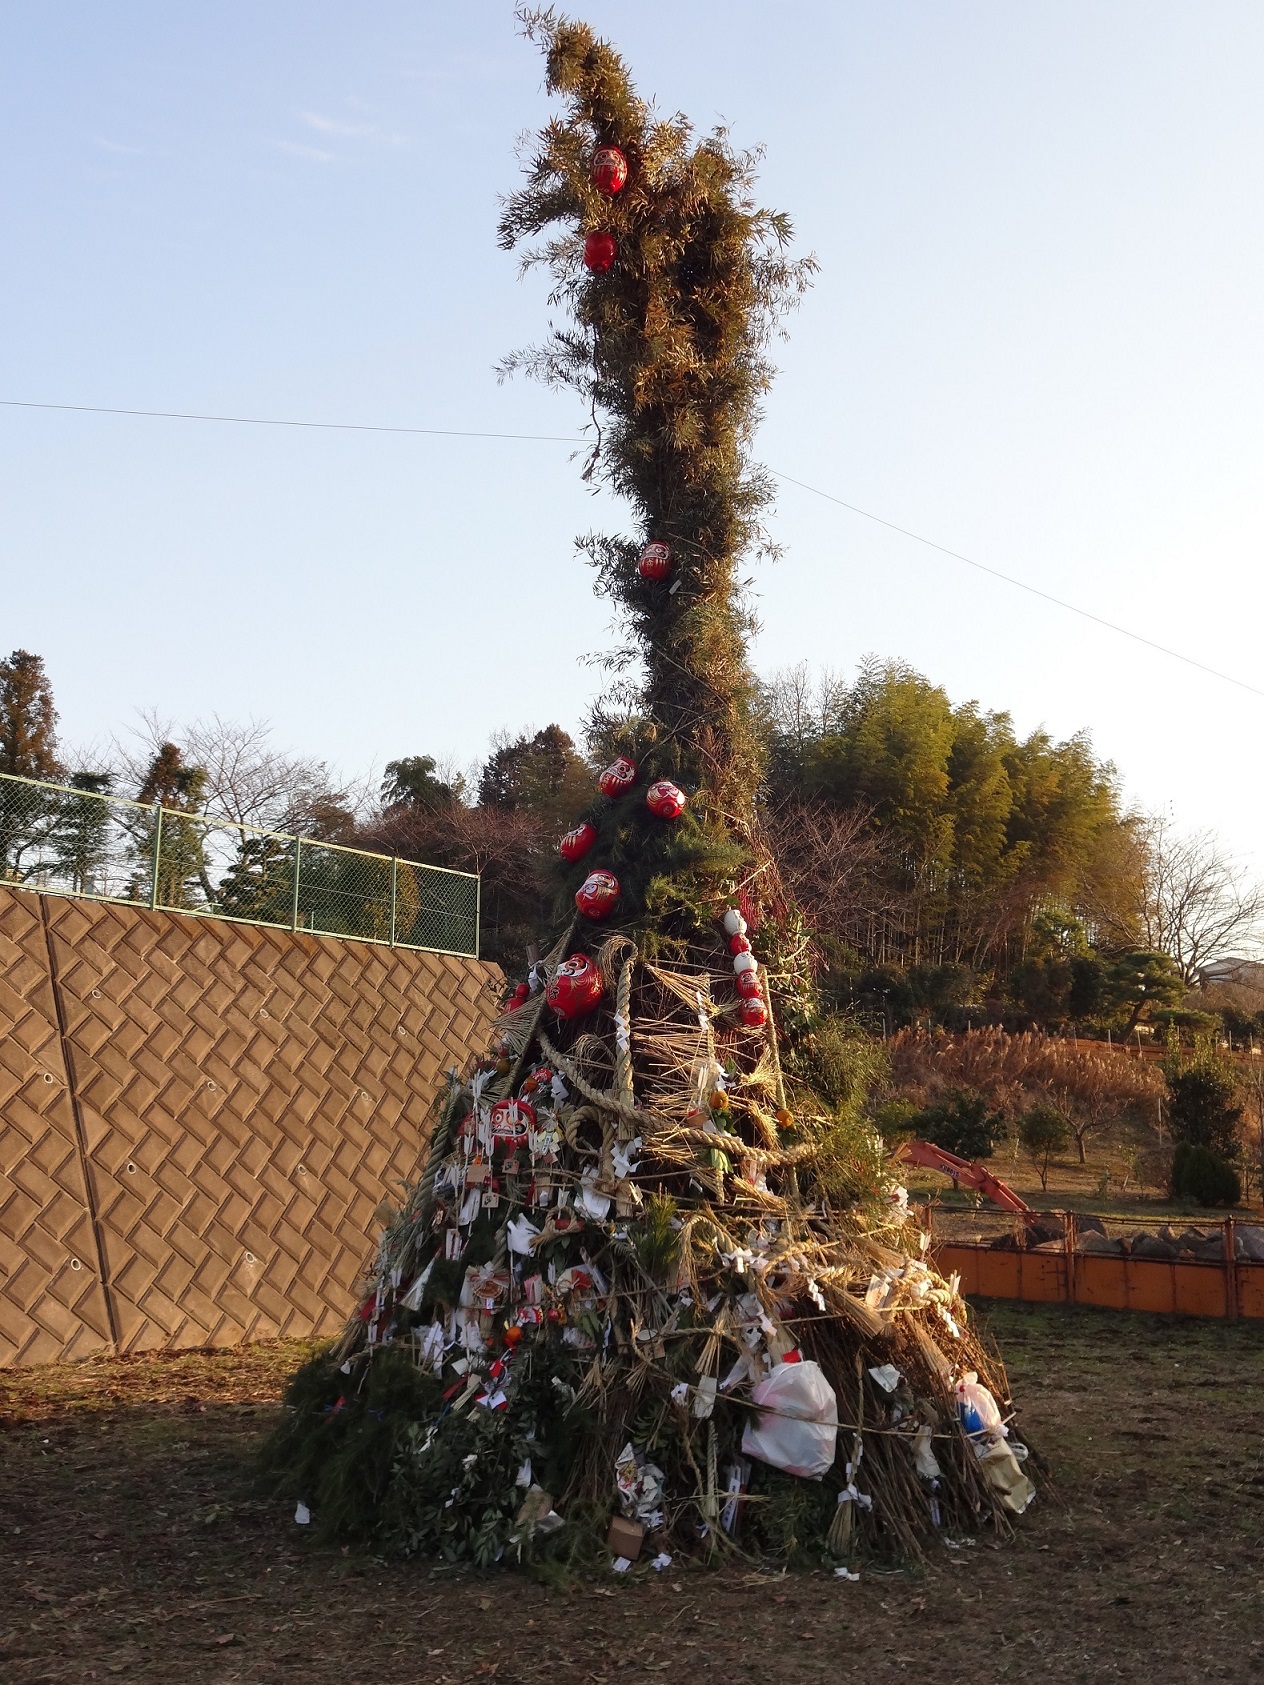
[[51, 1302], [245, 1097]]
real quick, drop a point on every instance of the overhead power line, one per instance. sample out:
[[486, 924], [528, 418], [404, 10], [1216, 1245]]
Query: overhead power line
[[571, 439], [1022, 585], [271, 421]]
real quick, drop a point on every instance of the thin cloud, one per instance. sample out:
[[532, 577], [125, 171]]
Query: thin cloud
[[117, 146], [313, 154], [353, 131]]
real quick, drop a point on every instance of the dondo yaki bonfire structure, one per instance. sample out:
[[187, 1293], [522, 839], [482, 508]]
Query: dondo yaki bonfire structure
[[650, 1295]]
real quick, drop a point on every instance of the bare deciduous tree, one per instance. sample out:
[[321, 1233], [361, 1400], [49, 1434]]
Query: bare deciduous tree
[[801, 706], [249, 782], [507, 848], [1199, 903], [828, 858]]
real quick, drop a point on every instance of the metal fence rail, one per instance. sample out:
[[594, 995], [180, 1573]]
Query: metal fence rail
[[64, 840]]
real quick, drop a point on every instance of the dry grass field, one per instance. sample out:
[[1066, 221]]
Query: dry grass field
[[135, 1547]]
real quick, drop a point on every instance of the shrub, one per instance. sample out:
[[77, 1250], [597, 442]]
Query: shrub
[[1043, 1131], [1203, 1176], [896, 1120], [962, 1124], [1201, 1107]]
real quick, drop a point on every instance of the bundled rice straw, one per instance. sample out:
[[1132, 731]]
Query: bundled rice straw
[[618, 1237]]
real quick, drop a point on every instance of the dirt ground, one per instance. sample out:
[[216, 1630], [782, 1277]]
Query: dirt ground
[[135, 1548]]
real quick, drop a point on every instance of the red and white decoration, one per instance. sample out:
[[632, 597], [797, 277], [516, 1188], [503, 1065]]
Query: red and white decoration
[[575, 844], [618, 778], [511, 1119], [600, 251], [576, 987], [609, 171], [656, 560], [665, 800], [597, 895], [751, 1010]]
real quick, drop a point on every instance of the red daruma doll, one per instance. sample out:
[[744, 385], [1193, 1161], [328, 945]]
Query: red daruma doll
[[597, 895], [575, 844], [600, 251], [656, 561], [618, 778], [576, 987], [665, 800], [609, 171]]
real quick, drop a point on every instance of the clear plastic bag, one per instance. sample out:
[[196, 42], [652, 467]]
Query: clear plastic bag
[[797, 1428], [979, 1413]]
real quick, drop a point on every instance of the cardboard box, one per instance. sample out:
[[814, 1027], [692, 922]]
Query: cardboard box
[[625, 1538]]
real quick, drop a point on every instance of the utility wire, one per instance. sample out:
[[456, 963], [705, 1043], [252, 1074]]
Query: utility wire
[[571, 439], [1035, 591], [268, 421]]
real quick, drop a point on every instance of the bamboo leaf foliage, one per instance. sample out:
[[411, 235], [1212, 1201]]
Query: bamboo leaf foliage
[[669, 351]]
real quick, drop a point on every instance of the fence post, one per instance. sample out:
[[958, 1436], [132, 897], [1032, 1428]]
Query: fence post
[[1069, 1221], [153, 876], [1231, 1271], [478, 913], [298, 851], [394, 892]]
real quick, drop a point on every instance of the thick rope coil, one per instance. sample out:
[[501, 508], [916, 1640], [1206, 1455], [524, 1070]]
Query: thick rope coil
[[599, 1097], [623, 1036]]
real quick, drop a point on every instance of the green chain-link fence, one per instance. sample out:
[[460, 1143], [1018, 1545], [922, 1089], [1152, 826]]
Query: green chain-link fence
[[70, 841]]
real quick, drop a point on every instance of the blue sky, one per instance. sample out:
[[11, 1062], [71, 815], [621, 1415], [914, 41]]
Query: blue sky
[[1036, 338]]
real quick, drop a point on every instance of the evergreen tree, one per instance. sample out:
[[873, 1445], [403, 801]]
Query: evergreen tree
[[542, 776], [171, 784], [413, 781], [28, 719], [259, 882], [81, 837], [962, 1123], [529, 771], [28, 749], [1202, 1104], [1139, 980]]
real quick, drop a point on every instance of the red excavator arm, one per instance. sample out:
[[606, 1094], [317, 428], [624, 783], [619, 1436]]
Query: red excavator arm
[[931, 1157]]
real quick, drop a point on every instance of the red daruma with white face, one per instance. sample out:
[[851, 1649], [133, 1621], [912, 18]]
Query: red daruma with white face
[[618, 777], [575, 988], [511, 1119], [656, 560], [597, 895], [665, 800], [575, 844], [752, 1013], [609, 171]]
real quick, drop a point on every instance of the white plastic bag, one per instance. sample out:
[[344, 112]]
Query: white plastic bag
[[797, 1429], [980, 1416]]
